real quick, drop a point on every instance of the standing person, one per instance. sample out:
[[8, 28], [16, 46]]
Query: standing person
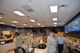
[[20, 44], [32, 40], [18, 41], [23, 46], [51, 43], [28, 40], [69, 44], [61, 41]]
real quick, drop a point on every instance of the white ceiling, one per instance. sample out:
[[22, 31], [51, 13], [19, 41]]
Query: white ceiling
[[41, 11]]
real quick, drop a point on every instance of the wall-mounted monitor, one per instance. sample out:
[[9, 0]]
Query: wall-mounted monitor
[[74, 25]]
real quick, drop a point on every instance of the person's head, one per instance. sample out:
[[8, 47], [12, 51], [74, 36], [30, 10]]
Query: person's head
[[75, 40], [32, 35], [70, 38], [61, 34], [42, 37], [21, 36], [28, 34], [52, 34]]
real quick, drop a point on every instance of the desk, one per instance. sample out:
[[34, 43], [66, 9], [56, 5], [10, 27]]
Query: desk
[[36, 50], [6, 44], [77, 49], [4, 48], [6, 39]]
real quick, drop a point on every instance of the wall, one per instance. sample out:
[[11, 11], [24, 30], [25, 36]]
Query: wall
[[6, 28], [38, 30]]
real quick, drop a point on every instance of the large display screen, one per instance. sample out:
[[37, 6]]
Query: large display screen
[[73, 25]]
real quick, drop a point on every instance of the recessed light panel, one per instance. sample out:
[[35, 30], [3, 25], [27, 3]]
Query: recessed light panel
[[54, 19], [31, 26], [19, 13], [54, 9], [2, 23], [13, 25], [0, 17], [54, 23], [24, 24], [38, 24], [32, 20], [15, 22]]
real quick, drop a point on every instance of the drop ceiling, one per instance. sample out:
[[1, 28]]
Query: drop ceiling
[[38, 10]]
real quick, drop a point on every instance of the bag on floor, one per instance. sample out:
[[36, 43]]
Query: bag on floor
[[19, 50], [42, 46]]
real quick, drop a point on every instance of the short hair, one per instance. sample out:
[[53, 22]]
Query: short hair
[[51, 32]]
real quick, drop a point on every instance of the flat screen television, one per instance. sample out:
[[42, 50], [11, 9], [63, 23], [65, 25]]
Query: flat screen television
[[74, 25]]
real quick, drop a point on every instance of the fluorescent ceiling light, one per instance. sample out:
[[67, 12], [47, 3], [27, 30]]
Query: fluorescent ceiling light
[[13, 25], [2, 23], [25, 24], [54, 9], [32, 20], [55, 23], [38, 24], [54, 19], [31, 26], [42, 26], [15, 22], [0, 17], [19, 13]]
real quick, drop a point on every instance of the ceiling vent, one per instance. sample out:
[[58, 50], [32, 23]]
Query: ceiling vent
[[63, 5], [60, 6], [27, 8]]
